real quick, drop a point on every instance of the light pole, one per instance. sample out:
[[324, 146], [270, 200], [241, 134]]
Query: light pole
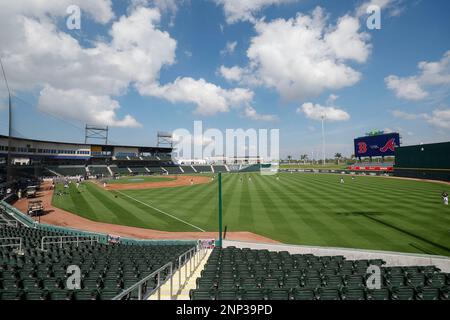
[[323, 138], [8, 165]]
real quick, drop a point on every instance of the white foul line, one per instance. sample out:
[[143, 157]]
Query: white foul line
[[167, 214]]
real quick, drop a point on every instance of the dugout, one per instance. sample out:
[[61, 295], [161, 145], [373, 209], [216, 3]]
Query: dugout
[[426, 161]]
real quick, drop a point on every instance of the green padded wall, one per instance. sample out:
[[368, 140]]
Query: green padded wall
[[427, 156], [428, 161]]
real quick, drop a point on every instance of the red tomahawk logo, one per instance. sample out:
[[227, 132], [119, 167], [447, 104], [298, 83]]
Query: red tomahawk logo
[[390, 145]]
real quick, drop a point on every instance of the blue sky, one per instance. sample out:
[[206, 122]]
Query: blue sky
[[143, 66]]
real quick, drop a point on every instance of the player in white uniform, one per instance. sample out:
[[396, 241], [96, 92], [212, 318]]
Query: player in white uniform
[[445, 198]]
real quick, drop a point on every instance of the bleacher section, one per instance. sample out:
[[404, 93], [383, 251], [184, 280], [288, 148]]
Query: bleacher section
[[119, 170], [203, 169], [99, 170], [234, 274], [139, 170], [251, 168], [69, 171], [188, 169], [156, 170], [173, 170], [220, 169], [6, 219], [106, 270]]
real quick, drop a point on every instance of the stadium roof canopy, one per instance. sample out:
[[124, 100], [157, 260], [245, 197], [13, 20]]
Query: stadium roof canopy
[[142, 148]]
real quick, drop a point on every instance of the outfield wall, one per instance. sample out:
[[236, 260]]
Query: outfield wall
[[392, 258], [426, 161]]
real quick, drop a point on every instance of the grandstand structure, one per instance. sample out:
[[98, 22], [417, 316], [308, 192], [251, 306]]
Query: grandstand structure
[[36, 258], [36, 158]]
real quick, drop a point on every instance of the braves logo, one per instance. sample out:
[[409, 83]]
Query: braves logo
[[362, 148], [390, 145]]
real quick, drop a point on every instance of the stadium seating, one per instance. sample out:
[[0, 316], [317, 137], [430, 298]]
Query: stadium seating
[[187, 169], [173, 170], [119, 170], [99, 170], [69, 171], [156, 170], [203, 169], [106, 270], [251, 168], [246, 274], [139, 170], [220, 169]]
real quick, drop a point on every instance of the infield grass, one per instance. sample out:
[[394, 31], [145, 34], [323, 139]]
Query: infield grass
[[309, 209], [138, 179]]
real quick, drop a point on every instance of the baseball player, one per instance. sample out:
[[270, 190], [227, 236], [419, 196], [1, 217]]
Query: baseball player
[[445, 198]]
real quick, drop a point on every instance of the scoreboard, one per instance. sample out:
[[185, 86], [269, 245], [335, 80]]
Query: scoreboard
[[377, 146]]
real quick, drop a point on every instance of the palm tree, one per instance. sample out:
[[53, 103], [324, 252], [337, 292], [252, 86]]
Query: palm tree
[[304, 158], [338, 156], [289, 159]]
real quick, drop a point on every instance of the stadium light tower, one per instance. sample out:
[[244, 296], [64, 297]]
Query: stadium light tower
[[8, 165], [323, 138]]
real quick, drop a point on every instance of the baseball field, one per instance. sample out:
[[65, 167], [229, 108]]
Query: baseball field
[[309, 209]]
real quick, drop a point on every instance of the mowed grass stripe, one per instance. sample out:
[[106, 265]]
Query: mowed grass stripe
[[355, 232], [307, 209]]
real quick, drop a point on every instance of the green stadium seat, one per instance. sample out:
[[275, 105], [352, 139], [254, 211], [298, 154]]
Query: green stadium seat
[[428, 294], [328, 294], [379, 294], [228, 295], [404, 293], [255, 294], [200, 294], [353, 294], [304, 294], [278, 294]]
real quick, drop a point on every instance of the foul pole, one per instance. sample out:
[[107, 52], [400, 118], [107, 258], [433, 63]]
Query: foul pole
[[323, 139]]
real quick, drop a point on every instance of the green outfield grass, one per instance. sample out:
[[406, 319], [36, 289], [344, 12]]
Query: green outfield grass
[[138, 179], [309, 209]]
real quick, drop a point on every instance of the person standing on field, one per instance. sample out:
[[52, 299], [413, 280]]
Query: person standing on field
[[445, 198]]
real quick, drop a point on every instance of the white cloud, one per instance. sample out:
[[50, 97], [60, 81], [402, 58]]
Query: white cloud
[[231, 74], [406, 88], [229, 48], [83, 106], [99, 10], [37, 54], [431, 75], [317, 111], [170, 6], [439, 118], [392, 7], [404, 115], [42, 57], [209, 98], [346, 42], [304, 56], [245, 10], [251, 113]]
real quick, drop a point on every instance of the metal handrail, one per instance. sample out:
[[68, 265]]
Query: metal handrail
[[139, 285], [90, 239], [12, 244], [196, 255]]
